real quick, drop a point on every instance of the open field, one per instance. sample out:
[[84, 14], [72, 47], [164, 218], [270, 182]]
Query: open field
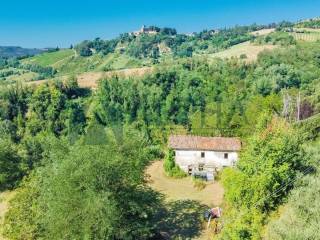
[[247, 48], [49, 59], [91, 79], [263, 32]]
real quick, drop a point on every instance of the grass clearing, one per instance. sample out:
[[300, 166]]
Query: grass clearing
[[263, 32], [250, 50], [49, 59]]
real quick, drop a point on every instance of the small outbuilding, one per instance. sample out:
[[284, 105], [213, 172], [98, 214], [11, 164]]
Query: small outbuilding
[[204, 154]]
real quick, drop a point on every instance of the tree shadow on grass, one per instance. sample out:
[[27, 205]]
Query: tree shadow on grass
[[180, 220]]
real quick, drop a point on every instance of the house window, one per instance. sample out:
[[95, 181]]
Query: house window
[[203, 155], [226, 156]]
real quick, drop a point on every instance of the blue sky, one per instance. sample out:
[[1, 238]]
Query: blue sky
[[35, 23]]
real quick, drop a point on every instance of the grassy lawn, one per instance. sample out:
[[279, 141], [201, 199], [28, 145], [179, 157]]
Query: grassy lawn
[[182, 217]]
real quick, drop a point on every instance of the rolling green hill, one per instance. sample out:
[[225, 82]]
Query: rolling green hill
[[51, 58], [144, 49]]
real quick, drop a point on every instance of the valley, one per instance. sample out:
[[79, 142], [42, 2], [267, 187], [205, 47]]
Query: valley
[[147, 134]]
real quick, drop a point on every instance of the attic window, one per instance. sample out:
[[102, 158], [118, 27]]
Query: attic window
[[203, 155], [226, 156]]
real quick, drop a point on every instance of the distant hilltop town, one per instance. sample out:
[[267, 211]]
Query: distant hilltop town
[[171, 31], [146, 30]]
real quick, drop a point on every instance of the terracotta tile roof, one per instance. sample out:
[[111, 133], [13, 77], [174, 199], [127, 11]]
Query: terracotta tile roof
[[204, 143]]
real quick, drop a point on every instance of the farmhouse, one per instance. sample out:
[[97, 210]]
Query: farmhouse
[[204, 154]]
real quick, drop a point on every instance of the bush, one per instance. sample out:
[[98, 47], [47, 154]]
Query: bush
[[268, 166], [243, 56], [97, 191], [170, 167], [199, 184], [10, 165], [155, 152]]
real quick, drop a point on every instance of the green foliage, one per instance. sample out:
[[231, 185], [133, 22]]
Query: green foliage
[[310, 128], [170, 167], [199, 184], [84, 49], [299, 217], [277, 38], [21, 221], [10, 165], [97, 191], [265, 174], [96, 186], [312, 23]]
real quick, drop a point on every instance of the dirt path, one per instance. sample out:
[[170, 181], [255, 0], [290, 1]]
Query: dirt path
[[183, 189]]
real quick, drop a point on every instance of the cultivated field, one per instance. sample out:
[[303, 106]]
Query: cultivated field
[[91, 79], [250, 50], [308, 37]]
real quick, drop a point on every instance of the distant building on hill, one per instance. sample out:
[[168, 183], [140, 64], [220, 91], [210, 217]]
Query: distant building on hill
[[146, 30], [204, 154]]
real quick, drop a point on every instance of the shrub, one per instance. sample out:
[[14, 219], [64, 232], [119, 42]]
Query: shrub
[[10, 165], [170, 167], [267, 169], [199, 184], [243, 56]]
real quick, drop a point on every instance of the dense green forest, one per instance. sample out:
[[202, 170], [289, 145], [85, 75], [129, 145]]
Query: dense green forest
[[76, 157]]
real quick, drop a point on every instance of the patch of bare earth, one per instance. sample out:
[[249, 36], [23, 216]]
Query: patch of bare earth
[[183, 189], [185, 204], [91, 79]]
